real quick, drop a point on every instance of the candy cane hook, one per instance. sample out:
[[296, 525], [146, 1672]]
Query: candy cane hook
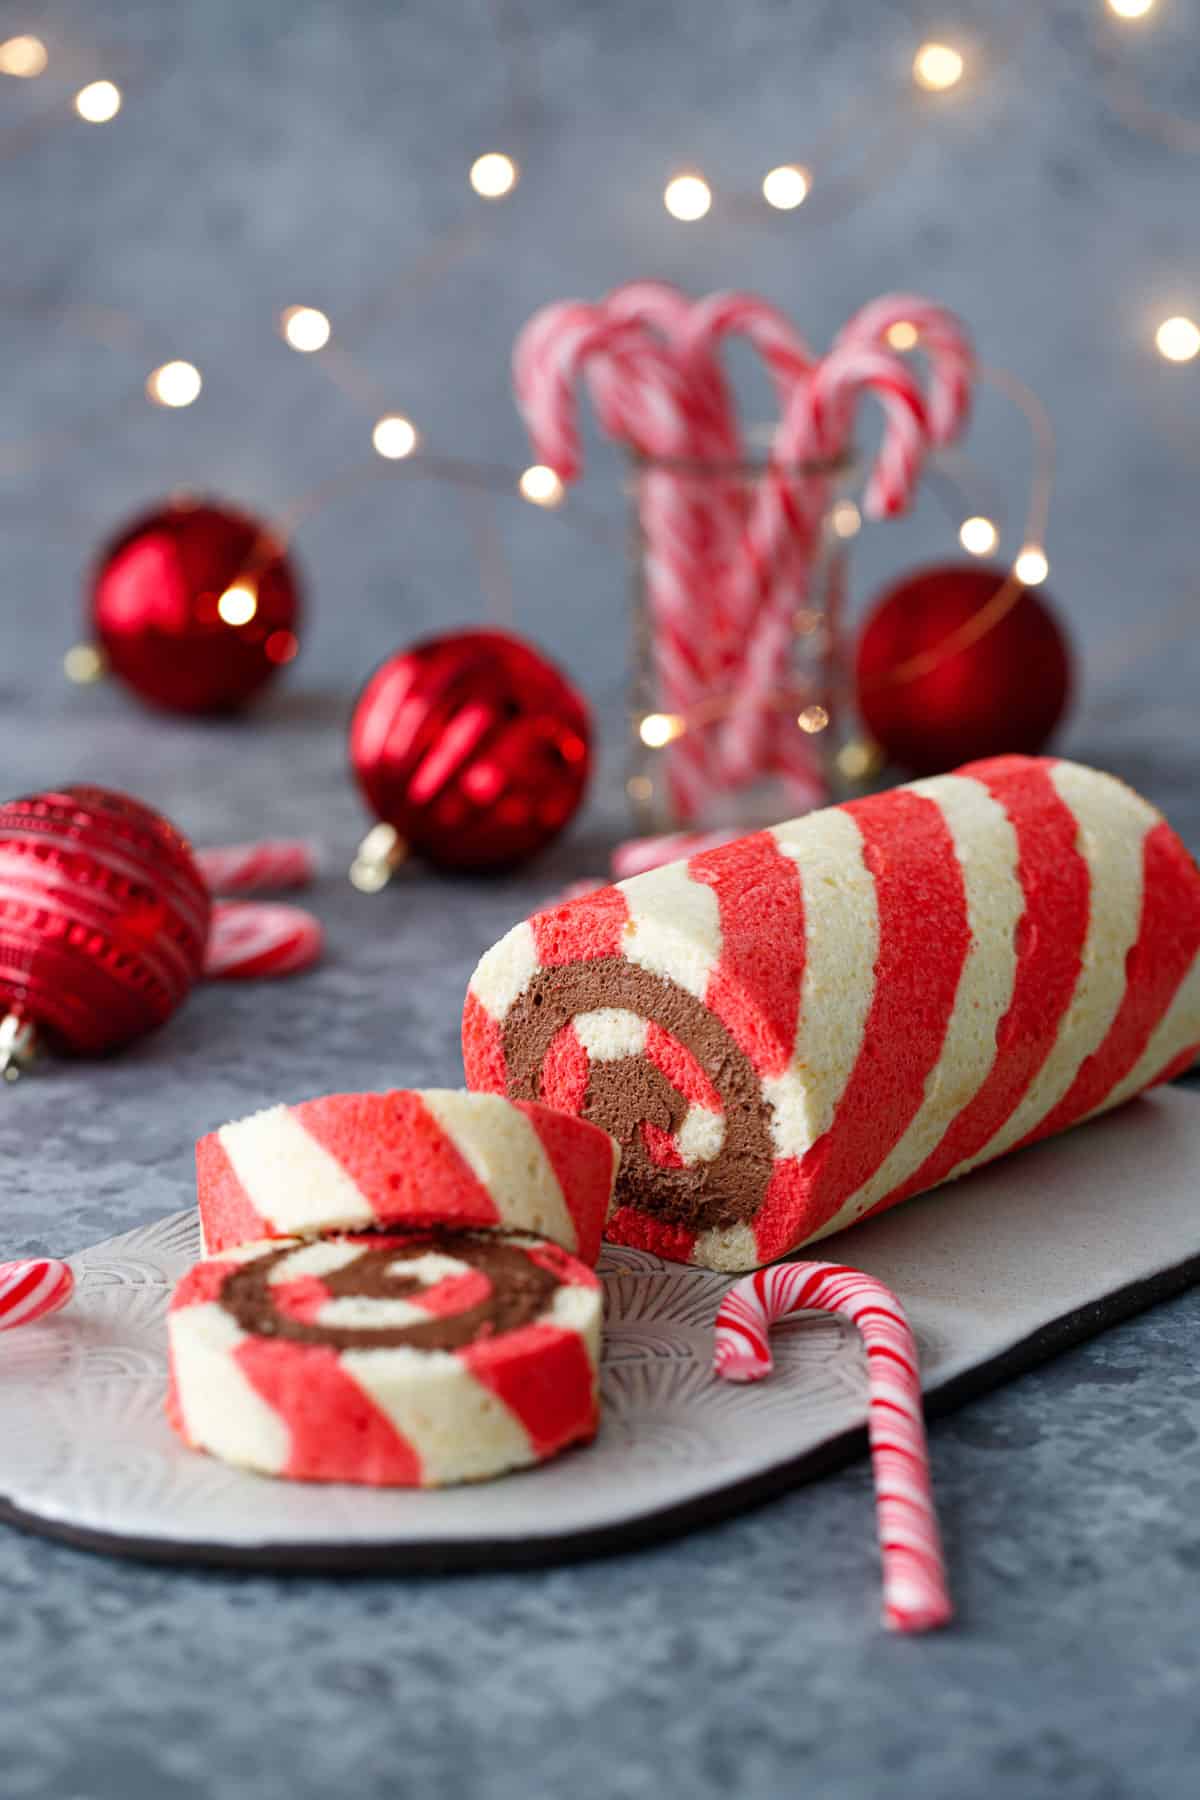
[[915, 1596]]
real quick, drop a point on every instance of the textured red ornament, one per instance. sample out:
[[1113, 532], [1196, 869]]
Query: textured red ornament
[[473, 747], [103, 919], [167, 621], [1004, 691]]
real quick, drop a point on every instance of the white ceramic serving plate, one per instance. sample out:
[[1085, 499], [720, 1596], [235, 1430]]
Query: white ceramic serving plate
[[996, 1272]]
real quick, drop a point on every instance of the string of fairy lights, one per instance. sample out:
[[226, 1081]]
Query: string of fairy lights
[[937, 69]]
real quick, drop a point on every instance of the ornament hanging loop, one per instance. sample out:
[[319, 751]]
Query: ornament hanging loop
[[18, 1046], [377, 858]]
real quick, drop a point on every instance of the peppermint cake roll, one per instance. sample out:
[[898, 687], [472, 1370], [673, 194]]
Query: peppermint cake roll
[[440, 1156], [811, 1024], [408, 1359]]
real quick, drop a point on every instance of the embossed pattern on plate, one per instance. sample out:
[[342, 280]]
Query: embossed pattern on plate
[[1011, 1264]]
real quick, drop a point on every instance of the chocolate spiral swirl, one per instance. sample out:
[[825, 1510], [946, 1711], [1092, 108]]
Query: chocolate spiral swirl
[[624, 1093], [520, 1289]]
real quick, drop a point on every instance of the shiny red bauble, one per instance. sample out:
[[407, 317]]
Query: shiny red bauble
[[946, 672], [195, 606], [103, 918], [473, 747]]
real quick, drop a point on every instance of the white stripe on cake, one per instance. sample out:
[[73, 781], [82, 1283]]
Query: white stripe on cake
[[611, 1033], [508, 1159], [222, 1411], [290, 1179], [674, 927], [505, 971], [985, 844], [841, 940], [1112, 825], [321, 1258], [701, 1135], [459, 1429]]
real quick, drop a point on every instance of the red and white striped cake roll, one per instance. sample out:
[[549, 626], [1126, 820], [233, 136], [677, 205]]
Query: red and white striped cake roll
[[817, 1021], [347, 1162], [406, 1359]]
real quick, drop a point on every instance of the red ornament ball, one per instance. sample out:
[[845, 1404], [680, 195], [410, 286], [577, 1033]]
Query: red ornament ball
[[195, 606], [946, 672], [473, 747], [104, 917]]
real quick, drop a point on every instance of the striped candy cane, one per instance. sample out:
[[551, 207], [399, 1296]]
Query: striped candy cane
[[643, 400], [915, 1596], [258, 868], [33, 1290], [942, 337], [818, 426], [252, 940]]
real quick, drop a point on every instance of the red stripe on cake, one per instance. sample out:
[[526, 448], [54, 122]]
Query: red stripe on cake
[[581, 929], [543, 1376], [676, 1062], [641, 1231], [454, 1294], [661, 1147], [561, 1263], [755, 988], [924, 936], [301, 1298], [227, 1214], [202, 1283], [483, 1049], [581, 1156], [1050, 936], [1167, 942], [402, 1162], [1178, 1065], [566, 1071], [337, 1432]]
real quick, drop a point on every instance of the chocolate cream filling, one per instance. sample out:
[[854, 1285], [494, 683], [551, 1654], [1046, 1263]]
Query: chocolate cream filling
[[521, 1292], [728, 1190]]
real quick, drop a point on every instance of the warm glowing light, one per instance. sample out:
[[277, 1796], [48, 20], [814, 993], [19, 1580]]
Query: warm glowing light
[[174, 384], [657, 729], [687, 197], [813, 719], [98, 102], [1031, 566], [238, 604], [1131, 9], [787, 186], [83, 663], [305, 328], [845, 519], [541, 486], [22, 56], [978, 535], [395, 436], [903, 335], [860, 759], [1178, 339], [494, 175], [937, 67]]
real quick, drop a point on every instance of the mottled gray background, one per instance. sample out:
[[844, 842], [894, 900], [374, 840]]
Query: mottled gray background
[[269, 154]]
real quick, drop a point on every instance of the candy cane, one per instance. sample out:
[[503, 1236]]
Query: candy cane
[[254, 940], [915, 1596], [33, 1290], [258, 868], [646, 405], [942, 337]]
